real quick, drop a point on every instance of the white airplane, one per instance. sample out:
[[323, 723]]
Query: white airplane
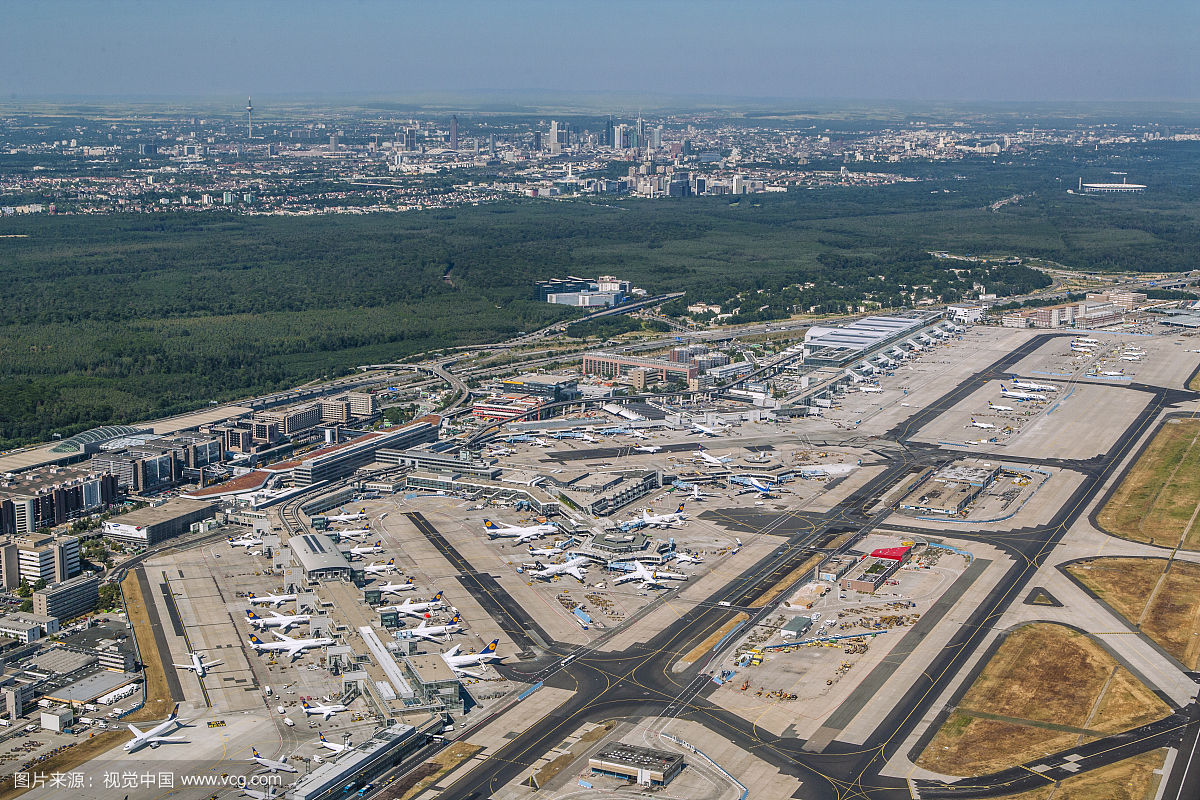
[[540, 442], [456, 662], [1083, 340], [547, 552], [698, 495], [677, 517], [1019, 396], [409, 608], [366, 549], [1030, 386], [1129, 351], [269, 599], [325, 711], [396, 588], [996, 407], [270, 764], [276, 620], [198, 665], [987, 426], [870, 389], [245, 541], [357, 533], [635, 433], [154, 737], [708, 458], [432, 632], [587, 437], [1131, 358], [378, 568], [575, 568], [1107, 373], [755, 485], [684, 558], [706, 431], [522, 533], [286, 644], [648, 577], [355, 517], [334, 746], [647, 448]]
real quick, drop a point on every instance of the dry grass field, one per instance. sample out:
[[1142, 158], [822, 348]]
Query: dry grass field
[[1131, 779], [1161, 601], [1159, 498], [1046, 689]]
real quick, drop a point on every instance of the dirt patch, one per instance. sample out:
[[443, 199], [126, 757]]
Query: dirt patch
[[1050, 684], [697, 652], [1157, 596], [431, 771], [67, 760], [780, 586], [548, 772], [158, 696], [1130, 779], [1158, 500]]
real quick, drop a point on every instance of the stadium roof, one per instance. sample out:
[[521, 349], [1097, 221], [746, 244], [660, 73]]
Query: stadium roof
[[80, 441]]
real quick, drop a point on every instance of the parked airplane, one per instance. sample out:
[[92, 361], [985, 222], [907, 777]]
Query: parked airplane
[[325, 711], [334, 746], [357, 533], [432, 632], [457, 662], [357, 515], [1107, 373], [547, 552], [417, 609], [698, 495], [826, 470], [522, 533], [647, 448], [634, 432], [384, 568], [1019, 396], [704, 430], [995, 407], [587, 437], [286, 644], [648, 577], [1083, 340], [1131, 358], [540, 442], [677, 517], [870, 389], [269, 599], [1030, 386], [270, 764], [245, 541], [574, 567], [276, 620], [366, 549], [396, 588], [154, 737], [751, 484], [987, 426], [684, 558], [198, 665], [708, 458]]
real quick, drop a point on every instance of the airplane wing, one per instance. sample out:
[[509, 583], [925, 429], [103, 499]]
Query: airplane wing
[[453, 651], [574, 572], [467, 672], [136, 733], [282, 638], [295, 650], [160, 739]]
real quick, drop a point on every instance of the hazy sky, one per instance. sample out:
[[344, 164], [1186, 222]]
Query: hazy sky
[[892, 49]]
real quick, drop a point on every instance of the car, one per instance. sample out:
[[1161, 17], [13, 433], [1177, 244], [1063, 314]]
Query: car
[[816, 616]]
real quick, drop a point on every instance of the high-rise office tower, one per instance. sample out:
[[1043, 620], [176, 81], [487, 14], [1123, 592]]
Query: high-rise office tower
[[656, 137], [608, 132], [454, 131], [554, 141]]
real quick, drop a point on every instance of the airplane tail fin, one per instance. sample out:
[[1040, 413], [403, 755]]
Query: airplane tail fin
[[438, 596], [488, 525], [251, 615], [174, 712], [491, 648], [323, 739], [254, 639], [680, 509]]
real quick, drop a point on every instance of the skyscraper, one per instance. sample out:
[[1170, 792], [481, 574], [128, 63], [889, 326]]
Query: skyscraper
[[454, 132], [554, 141], [608, 132], [249, 119]]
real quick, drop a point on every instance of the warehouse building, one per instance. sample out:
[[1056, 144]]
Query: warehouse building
[[875, 568], [319, 557], [151, 525], [948, 492], [641, 765]]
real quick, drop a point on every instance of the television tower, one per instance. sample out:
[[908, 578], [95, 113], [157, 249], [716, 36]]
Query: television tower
[[249, 119]]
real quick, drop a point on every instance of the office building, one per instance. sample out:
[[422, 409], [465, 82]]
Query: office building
[[54, 496], [68, 599], [341, 460], [552, 387], [454, 132], [27, 628], [510, 406], [611, 365], [43, 558], [151, 525], [641, 765], [292, 419]]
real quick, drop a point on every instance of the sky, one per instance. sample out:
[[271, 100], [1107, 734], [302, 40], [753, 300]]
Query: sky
[[920, 50]]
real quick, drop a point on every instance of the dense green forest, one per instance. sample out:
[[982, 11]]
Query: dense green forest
[[124, 317]]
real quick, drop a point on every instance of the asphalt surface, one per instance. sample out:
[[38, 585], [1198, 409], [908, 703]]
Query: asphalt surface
[[638, 683]]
